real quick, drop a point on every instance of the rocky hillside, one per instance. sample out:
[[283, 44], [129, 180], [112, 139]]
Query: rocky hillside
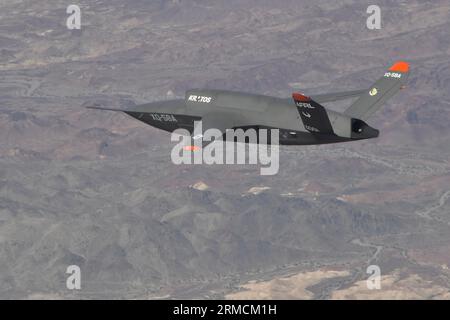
[[97, 189]]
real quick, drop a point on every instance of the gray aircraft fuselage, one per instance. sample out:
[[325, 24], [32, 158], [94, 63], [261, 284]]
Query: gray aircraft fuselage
[[244, 110], [301, 120]]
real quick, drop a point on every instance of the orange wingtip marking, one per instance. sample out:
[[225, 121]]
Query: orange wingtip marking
[[400, 66], [300, 97], [191, 148]]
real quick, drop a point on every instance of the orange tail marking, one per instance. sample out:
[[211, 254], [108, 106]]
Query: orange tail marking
[[400, 66], [300, 97]]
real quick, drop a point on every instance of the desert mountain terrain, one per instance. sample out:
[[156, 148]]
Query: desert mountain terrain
[[97, 189]]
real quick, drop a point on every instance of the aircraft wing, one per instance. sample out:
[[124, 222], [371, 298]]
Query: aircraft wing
[[334, 96], [103, 108], [212, 121], [217, 121], [387, 86]]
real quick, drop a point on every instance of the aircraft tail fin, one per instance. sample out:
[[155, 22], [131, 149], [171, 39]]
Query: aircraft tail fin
[[314, 116], [368, 103]]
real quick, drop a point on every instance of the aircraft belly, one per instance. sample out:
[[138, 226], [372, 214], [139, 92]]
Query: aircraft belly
[[306, 138], [165, 121], [294, 137]]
